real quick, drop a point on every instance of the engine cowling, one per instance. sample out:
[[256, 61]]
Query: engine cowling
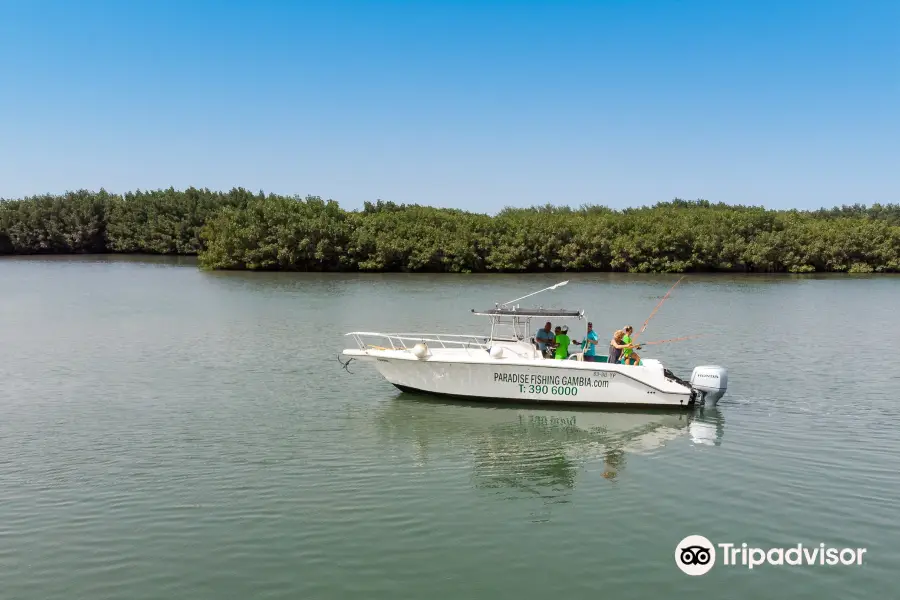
[[711, 382]]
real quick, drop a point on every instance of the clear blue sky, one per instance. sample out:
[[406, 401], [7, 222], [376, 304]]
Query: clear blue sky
[[475, 105]]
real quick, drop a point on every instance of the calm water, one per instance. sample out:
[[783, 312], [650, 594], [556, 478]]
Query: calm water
[[168, 433]]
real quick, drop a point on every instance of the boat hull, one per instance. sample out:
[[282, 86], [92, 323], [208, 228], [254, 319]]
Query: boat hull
[[581, 384]]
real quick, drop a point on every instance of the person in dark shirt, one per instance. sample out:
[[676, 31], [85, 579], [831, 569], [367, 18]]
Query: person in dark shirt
[[616, 345]]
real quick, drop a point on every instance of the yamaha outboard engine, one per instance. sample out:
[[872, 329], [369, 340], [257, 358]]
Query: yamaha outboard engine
[[710, 383]]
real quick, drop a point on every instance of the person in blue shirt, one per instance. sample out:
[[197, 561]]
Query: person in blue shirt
[[589, 344], [544, 337]]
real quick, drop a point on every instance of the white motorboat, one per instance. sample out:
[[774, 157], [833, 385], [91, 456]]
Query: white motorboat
[[507, 365]]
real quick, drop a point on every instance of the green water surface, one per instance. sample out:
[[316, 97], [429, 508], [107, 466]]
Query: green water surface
[[170, 433]]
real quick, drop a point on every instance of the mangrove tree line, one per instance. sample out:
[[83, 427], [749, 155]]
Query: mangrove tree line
[[244, 230]]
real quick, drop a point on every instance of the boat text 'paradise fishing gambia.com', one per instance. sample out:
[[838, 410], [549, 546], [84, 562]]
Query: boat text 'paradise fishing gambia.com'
[[696, 555]]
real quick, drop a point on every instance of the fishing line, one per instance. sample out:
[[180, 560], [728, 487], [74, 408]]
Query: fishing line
[[678, 339], [644, 326]]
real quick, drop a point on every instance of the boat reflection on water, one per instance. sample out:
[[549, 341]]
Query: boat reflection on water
[[538, 451], [708, 427]]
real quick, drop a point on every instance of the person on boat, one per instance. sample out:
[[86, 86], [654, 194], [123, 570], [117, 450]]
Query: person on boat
[[562, 343], [589, 344], [544, 337], [616, 345], [629, 356], [551, 346]]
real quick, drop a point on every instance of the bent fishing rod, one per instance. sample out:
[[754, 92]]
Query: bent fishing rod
[[644, 326]]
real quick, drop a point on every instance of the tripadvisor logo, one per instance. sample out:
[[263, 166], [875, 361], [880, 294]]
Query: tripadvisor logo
[[696, 555]]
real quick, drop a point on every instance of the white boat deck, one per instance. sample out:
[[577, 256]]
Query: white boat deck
[[402, 341], [460, 348], [468, 349]]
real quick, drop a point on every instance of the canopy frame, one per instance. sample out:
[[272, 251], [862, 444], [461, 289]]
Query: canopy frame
[[517, 320]]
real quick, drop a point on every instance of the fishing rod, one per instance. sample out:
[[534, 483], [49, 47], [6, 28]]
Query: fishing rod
[[644, 326], [552, 287]]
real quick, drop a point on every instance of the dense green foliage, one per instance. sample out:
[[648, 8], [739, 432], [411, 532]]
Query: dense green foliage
[[158, 222], [241, 230]]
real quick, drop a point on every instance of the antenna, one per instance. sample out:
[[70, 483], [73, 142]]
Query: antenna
[[552, 287]]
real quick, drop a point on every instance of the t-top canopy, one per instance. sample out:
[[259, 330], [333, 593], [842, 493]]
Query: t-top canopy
[[558, 313]]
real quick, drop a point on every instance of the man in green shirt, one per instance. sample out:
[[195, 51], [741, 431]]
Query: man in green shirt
[[562, 344]]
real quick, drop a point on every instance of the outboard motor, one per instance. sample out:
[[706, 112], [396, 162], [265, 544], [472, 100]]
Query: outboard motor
[[710, 383]]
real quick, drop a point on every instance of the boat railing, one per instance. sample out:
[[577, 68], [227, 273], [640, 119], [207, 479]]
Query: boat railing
[[402, 341]]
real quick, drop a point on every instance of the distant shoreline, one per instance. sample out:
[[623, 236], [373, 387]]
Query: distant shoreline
[[192, 261], [239, 230]]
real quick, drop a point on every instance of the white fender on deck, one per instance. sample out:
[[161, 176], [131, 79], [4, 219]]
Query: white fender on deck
[[420, 350], [496, 352]]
